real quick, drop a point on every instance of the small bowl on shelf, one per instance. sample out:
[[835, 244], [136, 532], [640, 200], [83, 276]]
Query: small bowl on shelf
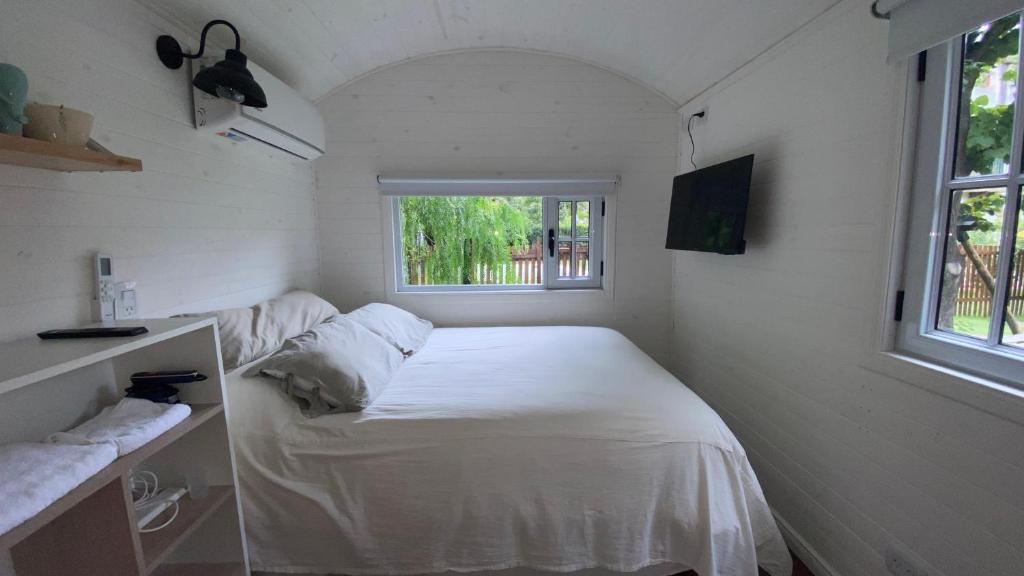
[[58, 124]]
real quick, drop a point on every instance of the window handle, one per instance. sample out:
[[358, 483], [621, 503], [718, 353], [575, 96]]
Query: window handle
[[551, 242]]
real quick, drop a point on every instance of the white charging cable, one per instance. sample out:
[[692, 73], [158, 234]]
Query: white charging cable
[[145, 485], [165, 524]]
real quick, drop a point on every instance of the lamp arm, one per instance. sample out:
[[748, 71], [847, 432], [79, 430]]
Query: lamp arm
[[202, 38]]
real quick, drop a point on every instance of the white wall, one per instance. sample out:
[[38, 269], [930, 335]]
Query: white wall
[[500, 111], [207, 224], [774, 339]]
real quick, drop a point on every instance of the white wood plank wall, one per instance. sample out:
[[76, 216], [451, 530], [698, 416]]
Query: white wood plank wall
[[500, 111], [855, 461], [208, 224]]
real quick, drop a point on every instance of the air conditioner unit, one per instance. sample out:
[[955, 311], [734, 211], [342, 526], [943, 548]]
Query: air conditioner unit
[[289, 123]]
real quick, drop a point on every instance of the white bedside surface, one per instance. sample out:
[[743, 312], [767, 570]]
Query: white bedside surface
[[29, 360]]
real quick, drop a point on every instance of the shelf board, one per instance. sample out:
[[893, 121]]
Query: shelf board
[[157, 546], [197, 569], [200, 414], [30, 360], [21, 151]]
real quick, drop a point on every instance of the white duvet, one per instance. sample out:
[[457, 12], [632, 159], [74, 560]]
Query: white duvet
[[554, 448]]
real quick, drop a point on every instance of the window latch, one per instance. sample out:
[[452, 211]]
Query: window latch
[[551, 242]]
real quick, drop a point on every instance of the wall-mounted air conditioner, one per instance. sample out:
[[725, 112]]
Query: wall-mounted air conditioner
[[289, 123]]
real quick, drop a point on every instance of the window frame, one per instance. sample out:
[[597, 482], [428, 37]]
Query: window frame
[[552, 281], [549, 220], [933, 185]]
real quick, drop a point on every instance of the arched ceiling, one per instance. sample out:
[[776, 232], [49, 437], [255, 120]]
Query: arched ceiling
[[677, 47]]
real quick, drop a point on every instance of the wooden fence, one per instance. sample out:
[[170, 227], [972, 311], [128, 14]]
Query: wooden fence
[[528, 264], [974, 299], [526, 267]]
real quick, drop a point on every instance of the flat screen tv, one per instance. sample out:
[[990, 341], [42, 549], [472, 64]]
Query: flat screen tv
[[709, 208]]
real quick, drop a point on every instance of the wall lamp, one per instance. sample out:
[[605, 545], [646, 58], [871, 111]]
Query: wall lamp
[[228, 79]]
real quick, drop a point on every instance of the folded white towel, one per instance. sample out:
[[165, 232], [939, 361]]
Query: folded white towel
[[35, 475], [128, 424]]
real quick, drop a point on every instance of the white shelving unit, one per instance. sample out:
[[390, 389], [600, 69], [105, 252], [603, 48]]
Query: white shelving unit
[[49, 386]]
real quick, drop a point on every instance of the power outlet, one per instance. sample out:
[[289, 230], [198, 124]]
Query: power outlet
[[126, 303], [900, 562]]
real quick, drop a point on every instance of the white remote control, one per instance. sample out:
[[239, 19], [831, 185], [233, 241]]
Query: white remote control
[[103, 304]]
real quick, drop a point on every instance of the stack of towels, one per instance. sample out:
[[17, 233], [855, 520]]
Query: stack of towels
[[34, 475]]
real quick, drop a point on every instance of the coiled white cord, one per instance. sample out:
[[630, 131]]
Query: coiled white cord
[[143, 489], [165, 524], [145, 485]]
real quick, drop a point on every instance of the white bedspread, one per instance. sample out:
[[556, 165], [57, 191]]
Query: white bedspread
[[554, 448]]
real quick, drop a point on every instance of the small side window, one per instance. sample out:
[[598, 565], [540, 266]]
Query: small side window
[[576, 255]]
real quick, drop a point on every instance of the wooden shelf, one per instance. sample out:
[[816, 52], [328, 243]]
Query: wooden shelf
[[194, 569], [92, 530], [21, 151], [157, 546], [200, 414], [30, 360]]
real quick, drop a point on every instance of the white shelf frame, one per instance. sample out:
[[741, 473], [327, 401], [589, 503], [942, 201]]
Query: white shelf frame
[[87, 375]]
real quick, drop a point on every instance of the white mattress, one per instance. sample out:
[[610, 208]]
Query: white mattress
[[549, 448]]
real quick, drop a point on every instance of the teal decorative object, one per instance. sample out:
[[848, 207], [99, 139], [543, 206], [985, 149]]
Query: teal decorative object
[[13, 93]]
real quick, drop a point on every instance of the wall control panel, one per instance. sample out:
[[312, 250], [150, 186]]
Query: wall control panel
[[103, 300], [112, 300]]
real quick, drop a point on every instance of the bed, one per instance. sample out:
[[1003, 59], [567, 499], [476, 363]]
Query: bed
[[532, 448]]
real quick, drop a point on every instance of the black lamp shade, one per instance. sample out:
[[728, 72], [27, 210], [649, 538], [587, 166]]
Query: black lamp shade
[[230, 79]]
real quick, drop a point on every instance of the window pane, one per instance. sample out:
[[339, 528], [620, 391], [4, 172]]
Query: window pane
[[565, 259], [970, 262], [988, 91], [565, 219], [471, 240], [583, 219], [582, 259], [1013, 329]]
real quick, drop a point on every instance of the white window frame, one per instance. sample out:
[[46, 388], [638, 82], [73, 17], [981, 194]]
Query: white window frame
[[931, 190], [551, 281]]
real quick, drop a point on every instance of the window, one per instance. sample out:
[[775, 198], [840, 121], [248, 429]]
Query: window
[[965, 261], [445, 243]]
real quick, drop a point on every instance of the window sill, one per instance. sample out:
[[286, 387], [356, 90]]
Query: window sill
[[987, 395]]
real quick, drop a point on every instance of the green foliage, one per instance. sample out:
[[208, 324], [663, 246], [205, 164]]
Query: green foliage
[[1020, 229], [991, 127], [582, 218], [533, 209], [984, 47], [980, 217], [983, 142], [991, 131], [454, 237], [985, 131]]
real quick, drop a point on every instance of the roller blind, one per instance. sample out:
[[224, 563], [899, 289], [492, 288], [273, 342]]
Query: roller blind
[[917, 25], [599, 185]]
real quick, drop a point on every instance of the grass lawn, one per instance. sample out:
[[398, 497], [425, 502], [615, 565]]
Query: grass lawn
[[976, 326]]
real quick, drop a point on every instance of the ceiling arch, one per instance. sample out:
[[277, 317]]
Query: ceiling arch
[[677, 47]]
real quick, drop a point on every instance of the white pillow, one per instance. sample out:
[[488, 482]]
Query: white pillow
[[402, 329], [338, 366], [280, 318], [250, 333], [235, 329]]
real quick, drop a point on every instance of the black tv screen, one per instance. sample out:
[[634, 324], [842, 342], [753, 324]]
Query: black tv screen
[[709, 208]]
